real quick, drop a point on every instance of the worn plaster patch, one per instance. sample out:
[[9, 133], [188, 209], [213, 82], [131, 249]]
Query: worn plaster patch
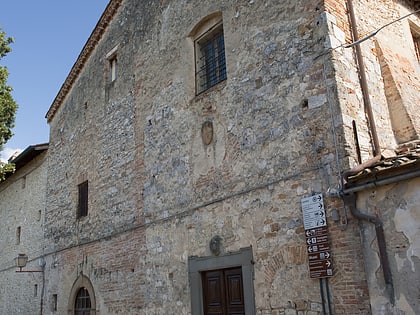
[[404, 305], [407, 222]]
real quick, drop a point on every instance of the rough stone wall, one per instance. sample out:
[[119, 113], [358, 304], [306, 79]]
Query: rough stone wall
[[397, 206], [392, 72], [273, 96], [282, 130], [273, 144], [157, 194], [93, 137], [22, 204]]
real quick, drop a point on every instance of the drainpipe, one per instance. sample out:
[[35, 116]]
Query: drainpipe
[[350, 198], [350, 201], [366, 99]]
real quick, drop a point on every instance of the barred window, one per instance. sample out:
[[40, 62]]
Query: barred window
[[82, 304], [210, 59]]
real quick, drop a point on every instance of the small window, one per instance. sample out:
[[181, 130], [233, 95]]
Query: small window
[[18, 234], [113, 68], [210, 59], [112, 63], [416, 40], [55, 302], [23, 182], [82, 210], [415, 34]]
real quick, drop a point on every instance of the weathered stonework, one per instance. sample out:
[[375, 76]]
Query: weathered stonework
[[271, 146], [22, 208], [396, 205], [169, 170]]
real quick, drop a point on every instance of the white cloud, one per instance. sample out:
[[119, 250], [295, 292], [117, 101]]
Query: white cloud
[[8, 152]]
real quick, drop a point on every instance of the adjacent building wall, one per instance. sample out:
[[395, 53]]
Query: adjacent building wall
[[392, 70], [397, 206], [22, 209]]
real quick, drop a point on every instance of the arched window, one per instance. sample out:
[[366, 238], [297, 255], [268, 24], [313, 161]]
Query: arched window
[[82, 303], [209, 48], [82, 298]]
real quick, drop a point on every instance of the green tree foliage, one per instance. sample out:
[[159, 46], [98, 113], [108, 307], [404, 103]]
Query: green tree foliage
[[8, 105]]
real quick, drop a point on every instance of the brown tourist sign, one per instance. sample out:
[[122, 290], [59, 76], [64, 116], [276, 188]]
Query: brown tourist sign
[[317, 240]]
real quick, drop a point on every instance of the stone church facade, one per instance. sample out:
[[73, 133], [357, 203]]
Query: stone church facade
[[188, 135]]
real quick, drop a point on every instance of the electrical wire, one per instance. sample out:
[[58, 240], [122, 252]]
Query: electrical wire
[[370, 35], [174, 215], [377, 31]]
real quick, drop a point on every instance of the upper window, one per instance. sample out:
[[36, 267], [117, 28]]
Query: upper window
[[113, 68], [210, 60], [111, 56], [416, 40], [82, 209], [415, 33]]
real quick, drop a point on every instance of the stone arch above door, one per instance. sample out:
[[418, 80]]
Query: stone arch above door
[[80, 283]]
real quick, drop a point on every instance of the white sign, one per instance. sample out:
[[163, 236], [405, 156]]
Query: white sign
[[313, 212]]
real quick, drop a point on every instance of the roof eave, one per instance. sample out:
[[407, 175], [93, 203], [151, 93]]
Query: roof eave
[[28, 155], [87, 50], [405, 169]]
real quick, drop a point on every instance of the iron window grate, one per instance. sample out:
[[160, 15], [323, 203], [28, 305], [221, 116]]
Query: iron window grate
[[212, 68], [83, 305]]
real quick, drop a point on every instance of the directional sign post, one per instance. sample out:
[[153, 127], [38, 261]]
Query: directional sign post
[[313, 212], [317, 240]]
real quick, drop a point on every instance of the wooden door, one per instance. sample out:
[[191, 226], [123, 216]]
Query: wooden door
[[223, 292]]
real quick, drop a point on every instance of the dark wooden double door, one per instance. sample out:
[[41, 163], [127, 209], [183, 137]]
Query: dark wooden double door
[[223, 292]]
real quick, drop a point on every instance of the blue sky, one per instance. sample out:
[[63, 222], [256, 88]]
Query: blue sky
[[49, 35]]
